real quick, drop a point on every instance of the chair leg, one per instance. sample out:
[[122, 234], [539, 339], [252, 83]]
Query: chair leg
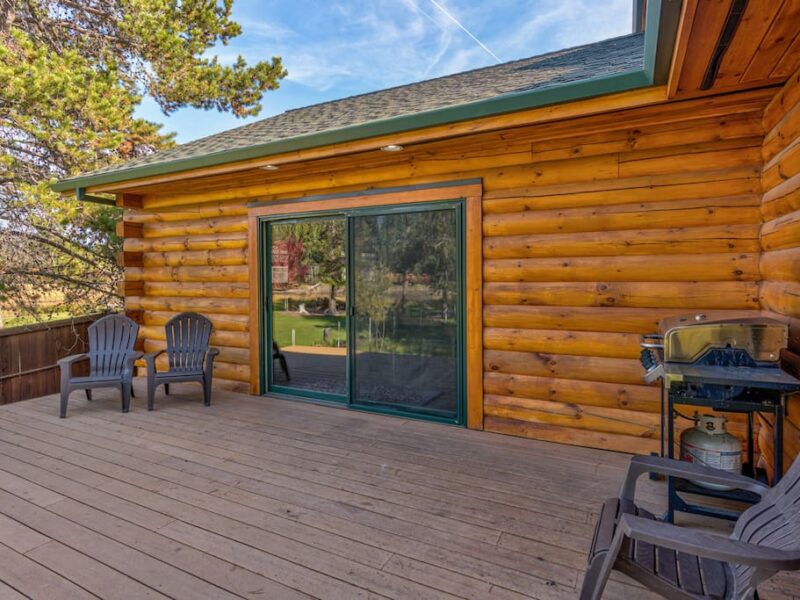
[[284, 366], [126, 396], [133, 395], [88, 394], [166, 389], [151, 393], [64, 397], [207, 389]]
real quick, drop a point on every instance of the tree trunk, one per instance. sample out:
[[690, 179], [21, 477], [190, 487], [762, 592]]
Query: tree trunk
[[332, 308]]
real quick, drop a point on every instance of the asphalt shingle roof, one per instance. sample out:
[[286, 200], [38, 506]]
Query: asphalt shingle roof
[[609, 57]]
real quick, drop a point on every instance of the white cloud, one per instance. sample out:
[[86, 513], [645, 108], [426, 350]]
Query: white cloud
[[364, 45]]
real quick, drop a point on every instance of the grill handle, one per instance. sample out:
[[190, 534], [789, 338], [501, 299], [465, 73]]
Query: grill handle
[[652, 340]]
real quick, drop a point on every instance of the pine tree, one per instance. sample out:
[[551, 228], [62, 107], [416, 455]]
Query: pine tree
[[72, 73]]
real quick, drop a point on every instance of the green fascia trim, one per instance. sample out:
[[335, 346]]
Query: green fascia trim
[[507, 103], [667, 14]]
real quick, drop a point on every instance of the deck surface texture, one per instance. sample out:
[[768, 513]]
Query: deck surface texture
[[271, 499]]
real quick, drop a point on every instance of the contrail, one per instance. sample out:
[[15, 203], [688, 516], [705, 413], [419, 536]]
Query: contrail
[[464, 29]]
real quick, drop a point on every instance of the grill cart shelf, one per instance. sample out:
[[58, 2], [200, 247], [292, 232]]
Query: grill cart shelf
[[764, 393]]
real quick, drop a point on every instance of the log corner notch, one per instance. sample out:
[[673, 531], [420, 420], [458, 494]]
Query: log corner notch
[[129, 201], [126, 229]]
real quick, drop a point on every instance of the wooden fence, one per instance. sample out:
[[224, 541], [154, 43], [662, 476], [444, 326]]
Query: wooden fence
[[28, 356]]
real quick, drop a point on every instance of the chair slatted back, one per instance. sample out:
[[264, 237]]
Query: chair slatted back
[[188, 336], [774, 522], [111, 339]]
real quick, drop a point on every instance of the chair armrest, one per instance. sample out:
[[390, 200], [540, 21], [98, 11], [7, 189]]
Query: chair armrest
[[707, 545], [67, 361], [211, 353], [150, 360], [129, 360], [678, 468]]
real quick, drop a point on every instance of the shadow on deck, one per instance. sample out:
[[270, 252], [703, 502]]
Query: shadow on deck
[[264, 498]]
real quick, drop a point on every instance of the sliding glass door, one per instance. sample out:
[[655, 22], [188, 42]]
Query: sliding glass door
[[366, 307], [405, 347], [308, 304]]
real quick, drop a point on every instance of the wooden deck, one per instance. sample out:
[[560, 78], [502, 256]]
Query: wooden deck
[[272, 499]]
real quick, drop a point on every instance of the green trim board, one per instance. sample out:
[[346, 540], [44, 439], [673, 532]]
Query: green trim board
[[657, 51], [266, 364]]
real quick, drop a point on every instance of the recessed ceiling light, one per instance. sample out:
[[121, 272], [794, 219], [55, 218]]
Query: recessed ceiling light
[[392, 148], [270, 167]]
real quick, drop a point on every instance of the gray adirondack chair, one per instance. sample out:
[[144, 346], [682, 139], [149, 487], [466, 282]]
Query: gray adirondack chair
[[190, 358], [680, 562], [111, 356]]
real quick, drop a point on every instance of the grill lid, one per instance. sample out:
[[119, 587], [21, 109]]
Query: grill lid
[[687, 339]]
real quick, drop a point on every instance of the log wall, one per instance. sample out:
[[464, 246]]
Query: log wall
[[780, 236], [594, 229]]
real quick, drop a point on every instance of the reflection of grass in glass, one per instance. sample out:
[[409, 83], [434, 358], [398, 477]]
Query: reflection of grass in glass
[[421, 331], [308, 329], [429, 339]]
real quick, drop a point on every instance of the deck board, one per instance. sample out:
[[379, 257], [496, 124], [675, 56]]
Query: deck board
[[256, 497]]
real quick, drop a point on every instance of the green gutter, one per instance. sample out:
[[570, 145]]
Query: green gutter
[[657, 49], [81, 195]]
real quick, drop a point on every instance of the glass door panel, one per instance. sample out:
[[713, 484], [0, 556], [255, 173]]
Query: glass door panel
[[405, 314], [308, 321]]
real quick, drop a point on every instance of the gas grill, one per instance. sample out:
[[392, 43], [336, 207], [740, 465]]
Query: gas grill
[[725, 364]]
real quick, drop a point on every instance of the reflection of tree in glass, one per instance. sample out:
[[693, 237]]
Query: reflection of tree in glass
[[322, 242], [408, 262], [374, 301], [422, 249], [439, 259], [294, 252]]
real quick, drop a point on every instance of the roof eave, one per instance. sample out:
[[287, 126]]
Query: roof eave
[[658, 42]]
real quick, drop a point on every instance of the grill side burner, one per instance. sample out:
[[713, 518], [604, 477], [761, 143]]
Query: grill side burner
[[730, 365]]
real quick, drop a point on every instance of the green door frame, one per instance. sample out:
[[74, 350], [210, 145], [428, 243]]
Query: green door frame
[[265, 309]]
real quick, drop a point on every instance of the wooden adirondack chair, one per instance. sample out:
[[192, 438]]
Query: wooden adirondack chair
[[680, 562], [111, 356], [190, 358]]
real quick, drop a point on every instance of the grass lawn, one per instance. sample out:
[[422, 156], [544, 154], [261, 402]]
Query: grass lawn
[[308, 329], [32, 320]]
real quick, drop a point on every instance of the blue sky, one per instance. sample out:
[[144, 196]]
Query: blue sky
[[337, 48]]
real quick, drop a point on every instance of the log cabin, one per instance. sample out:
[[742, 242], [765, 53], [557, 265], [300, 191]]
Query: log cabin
[[486, 248]]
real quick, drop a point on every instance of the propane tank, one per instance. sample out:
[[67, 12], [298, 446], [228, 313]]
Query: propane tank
[[709, 443]]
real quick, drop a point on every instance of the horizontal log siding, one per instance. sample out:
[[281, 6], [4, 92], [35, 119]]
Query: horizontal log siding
[[780, 239], [575, 272], [595, 228], [193, 258]]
